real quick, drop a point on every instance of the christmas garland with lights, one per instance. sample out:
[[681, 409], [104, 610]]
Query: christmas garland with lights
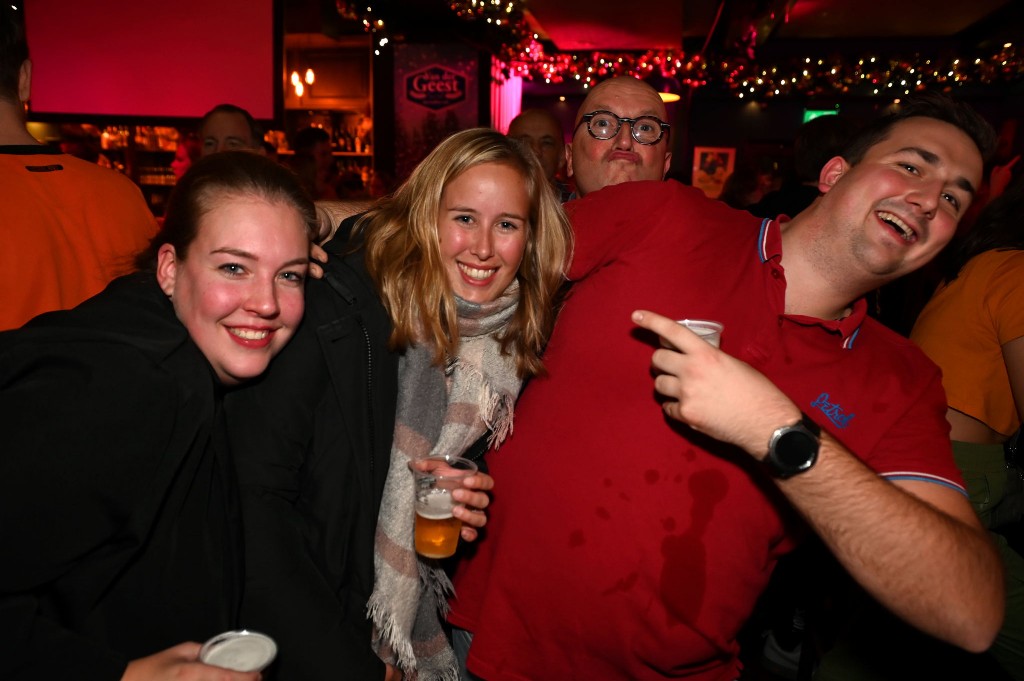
[[882, 75]]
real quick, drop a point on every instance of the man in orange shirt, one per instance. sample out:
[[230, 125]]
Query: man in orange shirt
[[67, 227]]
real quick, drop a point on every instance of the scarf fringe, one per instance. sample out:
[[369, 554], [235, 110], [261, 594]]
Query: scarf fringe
[[499, 415], [436, 586], [389, 630], [497, 409]]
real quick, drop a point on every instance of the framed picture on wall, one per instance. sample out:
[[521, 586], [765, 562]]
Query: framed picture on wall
[[711, 165]]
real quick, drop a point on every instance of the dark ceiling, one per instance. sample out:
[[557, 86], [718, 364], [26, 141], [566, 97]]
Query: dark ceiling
[[672, 24], [622, 25]]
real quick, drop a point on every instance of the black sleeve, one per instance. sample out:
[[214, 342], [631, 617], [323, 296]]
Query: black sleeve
[[339, 243], [477, 451], [83, 432]]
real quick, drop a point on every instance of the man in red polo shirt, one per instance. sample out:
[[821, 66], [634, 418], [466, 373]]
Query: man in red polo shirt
[[664, 535]]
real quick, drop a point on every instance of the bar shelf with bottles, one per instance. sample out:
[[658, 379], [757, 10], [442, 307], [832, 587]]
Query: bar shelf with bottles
[[351, 136], [351, 133], [143, 153]]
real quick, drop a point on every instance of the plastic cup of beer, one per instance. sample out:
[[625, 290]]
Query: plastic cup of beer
[[710, 331], [436, 477]]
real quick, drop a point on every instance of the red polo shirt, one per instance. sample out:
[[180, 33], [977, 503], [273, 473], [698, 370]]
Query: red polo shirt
[[621, 545]]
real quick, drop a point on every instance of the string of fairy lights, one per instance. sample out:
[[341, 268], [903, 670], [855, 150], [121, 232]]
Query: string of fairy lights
[[882, 75]]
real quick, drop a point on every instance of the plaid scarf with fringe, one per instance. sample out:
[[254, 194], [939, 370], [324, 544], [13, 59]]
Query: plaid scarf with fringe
[[410, 592]]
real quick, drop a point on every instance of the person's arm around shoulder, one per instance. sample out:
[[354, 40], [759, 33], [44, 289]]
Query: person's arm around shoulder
[[331, 214], [916, 547]]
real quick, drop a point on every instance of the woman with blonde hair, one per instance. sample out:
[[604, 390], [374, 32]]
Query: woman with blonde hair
[[415, 344], [404, 250]]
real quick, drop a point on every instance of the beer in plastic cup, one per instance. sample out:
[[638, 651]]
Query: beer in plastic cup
[[437, 529]]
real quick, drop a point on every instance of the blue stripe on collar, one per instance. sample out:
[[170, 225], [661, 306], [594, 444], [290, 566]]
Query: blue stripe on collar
[[761, 237], [848, 343]]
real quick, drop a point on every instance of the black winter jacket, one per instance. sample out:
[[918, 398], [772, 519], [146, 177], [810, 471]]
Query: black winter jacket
[[312, 442], [118, 531]]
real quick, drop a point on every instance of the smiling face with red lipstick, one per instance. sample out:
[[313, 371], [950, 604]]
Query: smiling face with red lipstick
[[483, 222], [238, 289]]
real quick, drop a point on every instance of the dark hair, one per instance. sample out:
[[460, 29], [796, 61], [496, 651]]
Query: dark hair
[[214, 177], [927, 105], [307, 138], [254, 127], [547, 115], [193, 145], [998, 227], [817, 141], [739, 187], [13, 50]]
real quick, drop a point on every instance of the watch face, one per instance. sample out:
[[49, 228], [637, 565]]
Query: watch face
[[793, 449], [796, 449]]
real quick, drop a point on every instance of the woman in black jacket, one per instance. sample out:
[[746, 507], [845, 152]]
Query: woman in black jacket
[[118, 509]]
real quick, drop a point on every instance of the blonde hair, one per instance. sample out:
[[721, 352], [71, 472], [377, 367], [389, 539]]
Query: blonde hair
[[403, 253]]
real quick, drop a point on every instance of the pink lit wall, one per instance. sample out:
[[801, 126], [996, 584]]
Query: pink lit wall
[[506, 97], [152, 59]]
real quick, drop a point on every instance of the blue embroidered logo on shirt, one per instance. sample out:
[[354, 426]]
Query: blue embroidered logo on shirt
[[833, 411]]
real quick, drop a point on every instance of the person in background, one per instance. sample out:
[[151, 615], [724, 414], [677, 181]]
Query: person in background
[[118, 511], [270, 151], [67, 226], [620, 136], [1000, 172], [743, 187], [227, 127], [314, 163], [188, 151], [669, 533], [414, 344], [817, 141], [973, 328], [82, 141], [541, 130]]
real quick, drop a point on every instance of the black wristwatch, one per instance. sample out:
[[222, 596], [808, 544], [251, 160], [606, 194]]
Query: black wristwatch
[[793, 449]]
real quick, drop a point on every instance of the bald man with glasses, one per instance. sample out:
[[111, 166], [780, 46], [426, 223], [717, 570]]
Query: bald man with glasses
[[621, 135]]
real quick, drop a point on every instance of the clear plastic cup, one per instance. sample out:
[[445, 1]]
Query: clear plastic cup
[[710, 331], [437, 529], [240, 651]]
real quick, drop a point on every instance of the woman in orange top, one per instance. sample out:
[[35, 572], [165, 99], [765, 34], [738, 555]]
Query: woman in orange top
[[973, 328]]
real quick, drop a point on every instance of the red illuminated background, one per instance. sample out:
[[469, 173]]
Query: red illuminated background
[[140, 59]]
